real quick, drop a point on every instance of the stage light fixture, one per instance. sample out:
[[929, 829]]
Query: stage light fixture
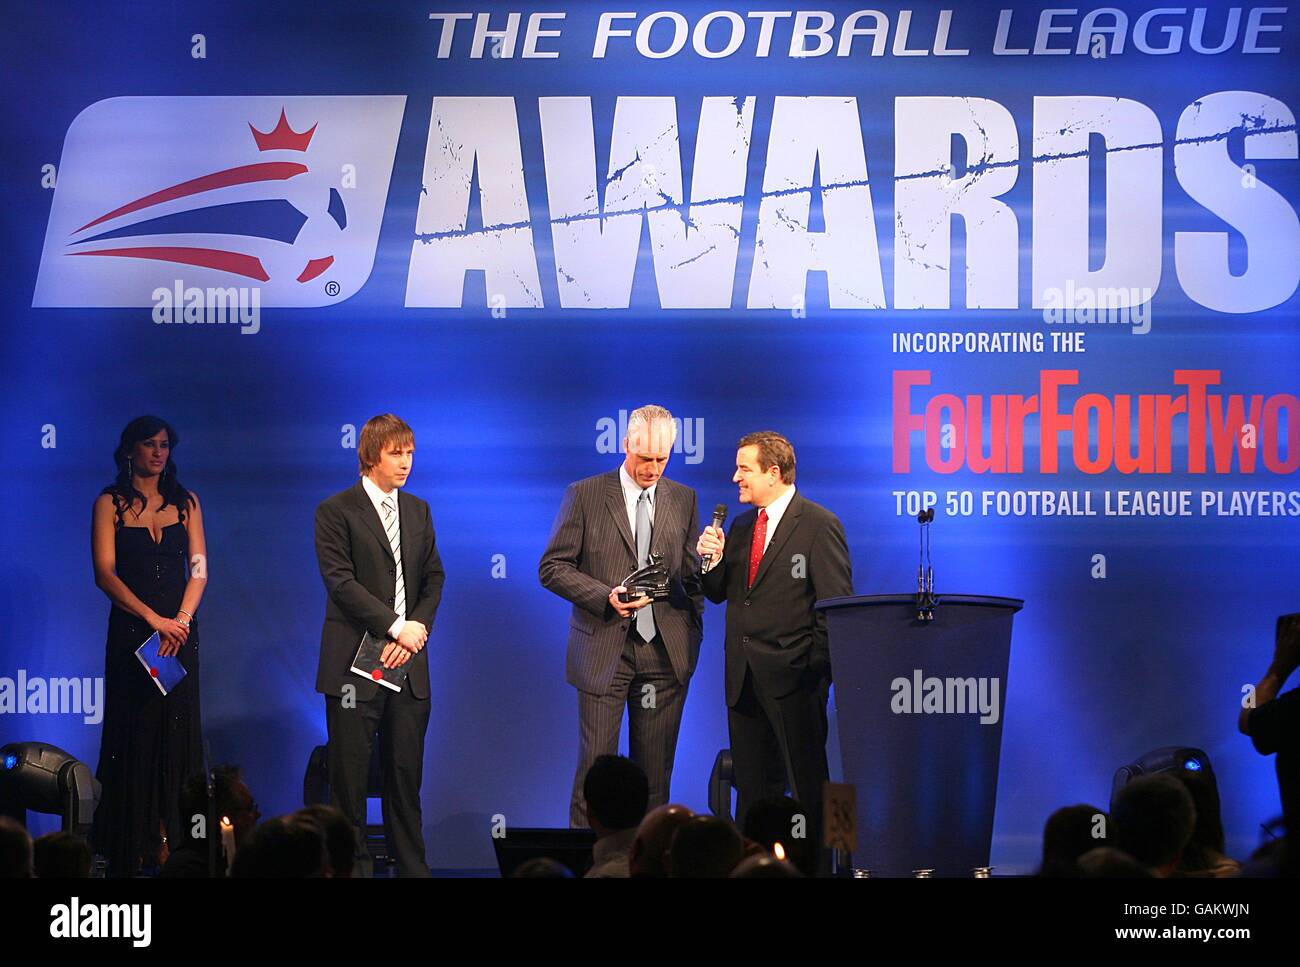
[[43, 778], [1171, 758]]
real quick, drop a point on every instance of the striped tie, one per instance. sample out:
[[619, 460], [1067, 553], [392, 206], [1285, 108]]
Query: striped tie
[[395, 542]]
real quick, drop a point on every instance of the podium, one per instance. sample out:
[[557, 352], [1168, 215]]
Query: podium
[[919, 706]]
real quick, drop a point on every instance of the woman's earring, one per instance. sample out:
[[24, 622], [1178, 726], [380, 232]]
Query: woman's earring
[[130, 470]]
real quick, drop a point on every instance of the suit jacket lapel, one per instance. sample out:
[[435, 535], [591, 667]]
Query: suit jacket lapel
[[618, 509], [665, 514], [789, 521], [371, 518]]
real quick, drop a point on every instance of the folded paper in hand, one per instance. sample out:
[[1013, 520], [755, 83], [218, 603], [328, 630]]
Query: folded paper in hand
[[165, 670]]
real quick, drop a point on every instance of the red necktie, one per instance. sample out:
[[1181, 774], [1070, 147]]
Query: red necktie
[[756, 546]]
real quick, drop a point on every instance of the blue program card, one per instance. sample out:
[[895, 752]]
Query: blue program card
[[165, 670]]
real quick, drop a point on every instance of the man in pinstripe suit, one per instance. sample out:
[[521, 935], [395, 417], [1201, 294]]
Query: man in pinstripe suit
[[639, 654]]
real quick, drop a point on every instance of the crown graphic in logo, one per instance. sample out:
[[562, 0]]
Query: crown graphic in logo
[[283, 138]]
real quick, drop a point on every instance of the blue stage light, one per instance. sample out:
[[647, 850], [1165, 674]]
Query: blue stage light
[[1192, 765], [11, 760]]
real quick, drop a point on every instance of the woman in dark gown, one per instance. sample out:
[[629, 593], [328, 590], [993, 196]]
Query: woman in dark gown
[[150, 559]]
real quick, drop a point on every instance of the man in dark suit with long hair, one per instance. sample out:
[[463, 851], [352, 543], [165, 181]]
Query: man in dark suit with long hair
[[378, 558], [637, 654], [777, 561]]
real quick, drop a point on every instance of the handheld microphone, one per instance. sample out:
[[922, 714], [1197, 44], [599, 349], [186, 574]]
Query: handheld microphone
[[719, 518]]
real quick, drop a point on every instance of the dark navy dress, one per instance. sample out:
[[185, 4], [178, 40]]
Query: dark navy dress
[[151, 743]]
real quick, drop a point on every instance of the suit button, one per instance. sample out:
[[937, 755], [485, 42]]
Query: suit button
[[392, 570], [745, 640], [747, 602]]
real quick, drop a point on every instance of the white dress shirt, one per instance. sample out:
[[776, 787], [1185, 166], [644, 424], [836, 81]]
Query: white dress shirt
[[631, 494], [775, 511], [377, 497]]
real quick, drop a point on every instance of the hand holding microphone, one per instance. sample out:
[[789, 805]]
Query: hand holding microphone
[[712, 540]]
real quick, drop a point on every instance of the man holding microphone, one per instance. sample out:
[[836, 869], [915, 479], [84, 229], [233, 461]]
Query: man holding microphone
[[780, 559]]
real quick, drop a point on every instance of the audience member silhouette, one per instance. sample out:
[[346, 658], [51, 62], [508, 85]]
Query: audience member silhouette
[[1154, 817], [705, 846], [1070, 832], [15, 850], [1273, 723], [290, 847], [648, 858], [617, 792], [1204, 856], [61, 856], [192, 859], [780, 819], [1108, 863], [340, 837]]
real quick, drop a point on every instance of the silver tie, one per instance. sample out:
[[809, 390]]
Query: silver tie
[[395, 542], [645, 618]]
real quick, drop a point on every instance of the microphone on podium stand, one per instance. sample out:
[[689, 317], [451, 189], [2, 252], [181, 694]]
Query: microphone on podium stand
[[719, 518], [926, 599]]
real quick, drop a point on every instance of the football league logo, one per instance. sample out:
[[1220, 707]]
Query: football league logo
[[285, 194]]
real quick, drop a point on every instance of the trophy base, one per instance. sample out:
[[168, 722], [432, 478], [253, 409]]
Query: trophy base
[[636, 594]]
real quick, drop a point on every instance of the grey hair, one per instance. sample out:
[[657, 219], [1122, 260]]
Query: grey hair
[[643, 416]]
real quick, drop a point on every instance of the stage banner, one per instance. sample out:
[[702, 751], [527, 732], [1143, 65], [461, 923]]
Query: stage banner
[[1031, 268]]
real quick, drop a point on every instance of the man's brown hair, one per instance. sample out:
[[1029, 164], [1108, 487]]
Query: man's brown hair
[[773, 450], [376, 436]]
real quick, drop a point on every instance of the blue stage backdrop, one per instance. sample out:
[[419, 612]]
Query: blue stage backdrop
[[963, 256]]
